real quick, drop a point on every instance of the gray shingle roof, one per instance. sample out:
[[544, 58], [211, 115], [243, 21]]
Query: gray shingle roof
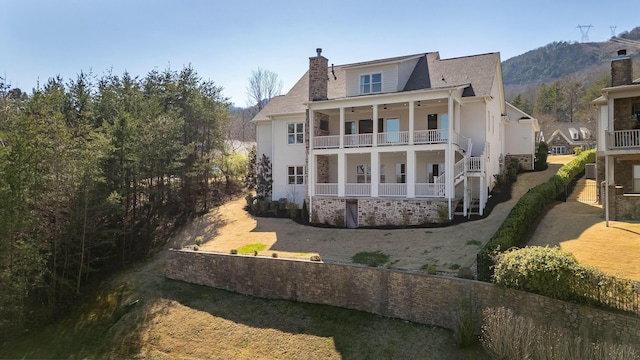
[[430, 72]]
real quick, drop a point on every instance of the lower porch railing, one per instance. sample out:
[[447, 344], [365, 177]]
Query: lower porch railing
[[392, 189], [327, 189], [352, 189]]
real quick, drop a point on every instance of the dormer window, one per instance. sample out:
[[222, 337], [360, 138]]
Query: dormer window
[[371, 83]]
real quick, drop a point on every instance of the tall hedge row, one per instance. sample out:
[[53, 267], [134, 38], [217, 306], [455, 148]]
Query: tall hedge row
[[525, 211]]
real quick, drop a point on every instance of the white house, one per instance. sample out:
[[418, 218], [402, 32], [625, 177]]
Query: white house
[[398, 141], [618, 142]]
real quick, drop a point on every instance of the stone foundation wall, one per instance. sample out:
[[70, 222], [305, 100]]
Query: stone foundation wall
[[627, 207], [326, 210], [381, 212], [525, 161], [425, 299]]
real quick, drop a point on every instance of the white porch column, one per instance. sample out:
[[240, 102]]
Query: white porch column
[[606, 190], [311, 182], [449, 158], [342, 174], [341, 127], [483, 195], [375, 126], [311, 175], [411, 122], [375, 172], [411, 173]]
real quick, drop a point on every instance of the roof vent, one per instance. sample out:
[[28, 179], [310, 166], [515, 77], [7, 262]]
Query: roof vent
[[319, 51]]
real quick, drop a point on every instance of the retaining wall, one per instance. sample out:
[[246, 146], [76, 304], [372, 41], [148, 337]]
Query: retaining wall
[[420, 298]]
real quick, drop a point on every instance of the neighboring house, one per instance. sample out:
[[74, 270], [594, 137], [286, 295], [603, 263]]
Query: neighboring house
[[618, 156], [397, 141], [567, 136]]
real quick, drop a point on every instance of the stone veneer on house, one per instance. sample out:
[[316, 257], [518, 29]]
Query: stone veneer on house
[[381, 211], [417, 297], [623, 205], [525, 161]]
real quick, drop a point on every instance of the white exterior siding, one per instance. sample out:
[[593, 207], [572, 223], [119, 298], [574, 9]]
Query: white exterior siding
[[264, 144], [473, 122], [603, 126], [495, 109], [389, 78], [520, 138], [287, 155]]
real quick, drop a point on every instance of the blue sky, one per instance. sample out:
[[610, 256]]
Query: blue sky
[[225, 40]]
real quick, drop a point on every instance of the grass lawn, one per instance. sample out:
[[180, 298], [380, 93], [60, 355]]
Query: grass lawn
[[173, 319]]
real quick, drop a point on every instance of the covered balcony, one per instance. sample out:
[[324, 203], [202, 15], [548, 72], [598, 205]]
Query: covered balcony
[[382, 125], [624, 140]]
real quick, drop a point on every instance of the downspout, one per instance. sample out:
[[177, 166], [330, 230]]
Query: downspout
[[606, 190], [451, 156]]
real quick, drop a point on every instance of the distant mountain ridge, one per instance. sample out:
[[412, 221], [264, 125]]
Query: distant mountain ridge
[[561, 59]]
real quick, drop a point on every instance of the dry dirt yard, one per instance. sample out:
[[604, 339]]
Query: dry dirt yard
[[231, 227], [580, 229]]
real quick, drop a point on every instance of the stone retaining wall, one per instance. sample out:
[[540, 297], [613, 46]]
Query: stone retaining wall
[[425, 299], [525, 161]]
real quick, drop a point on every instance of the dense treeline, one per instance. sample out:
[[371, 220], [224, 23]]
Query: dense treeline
[[564, 100], [93, 173], [559, 59]]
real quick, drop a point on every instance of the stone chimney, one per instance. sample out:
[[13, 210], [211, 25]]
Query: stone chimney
[[621, 69], [318, 77]]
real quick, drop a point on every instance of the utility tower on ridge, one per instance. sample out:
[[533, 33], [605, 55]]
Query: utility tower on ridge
[[613, 30], [584, 29]]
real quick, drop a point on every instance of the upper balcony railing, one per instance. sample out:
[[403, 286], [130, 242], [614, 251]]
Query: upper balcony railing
[[326, 142], [393, 138], [420, 137], [624, 139], [357, 140]]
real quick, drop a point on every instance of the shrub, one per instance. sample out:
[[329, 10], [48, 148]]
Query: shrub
[[198, 241], [540, 162], [577, 150], [541, 270], [443, 213], [338, 218], [526, 210], [468, 321], [508, 336], [292, 210], [305, 212]]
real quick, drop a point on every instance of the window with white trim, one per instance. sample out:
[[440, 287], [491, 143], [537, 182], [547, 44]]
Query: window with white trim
[[371, 83], [363, 174], [401, 173], [295, 133], [295, 175]]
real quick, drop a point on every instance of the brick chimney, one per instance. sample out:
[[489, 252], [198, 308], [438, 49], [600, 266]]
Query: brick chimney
[[318, 77], [621, 69]]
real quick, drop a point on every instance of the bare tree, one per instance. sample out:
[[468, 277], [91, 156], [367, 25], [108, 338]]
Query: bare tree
[[263, 86]]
